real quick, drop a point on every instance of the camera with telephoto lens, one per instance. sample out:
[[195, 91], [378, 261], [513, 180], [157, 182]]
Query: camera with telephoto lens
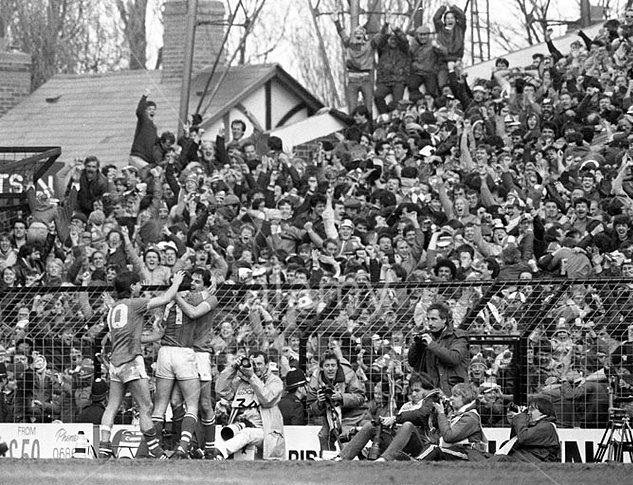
[[437, 396], [228, 432]]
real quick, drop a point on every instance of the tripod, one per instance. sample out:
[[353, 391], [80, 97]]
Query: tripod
[[616, 445]]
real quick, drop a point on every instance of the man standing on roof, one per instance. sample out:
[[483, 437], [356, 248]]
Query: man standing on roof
[[145, 135], [359, 61], [127, 367], [425, 61], [392, 70], [450, 25]]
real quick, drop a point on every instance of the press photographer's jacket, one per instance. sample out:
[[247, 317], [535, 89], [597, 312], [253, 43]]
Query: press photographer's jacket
[[268, 390], [353, 407], [445, 360], [462, 428], [536, 441]]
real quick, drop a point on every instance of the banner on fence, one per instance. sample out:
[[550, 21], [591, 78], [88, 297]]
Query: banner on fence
[[302, 442]]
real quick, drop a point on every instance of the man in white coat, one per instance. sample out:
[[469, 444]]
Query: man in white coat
[[254, 392]]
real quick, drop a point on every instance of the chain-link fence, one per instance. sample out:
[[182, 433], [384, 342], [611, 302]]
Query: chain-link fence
[[563, 338]]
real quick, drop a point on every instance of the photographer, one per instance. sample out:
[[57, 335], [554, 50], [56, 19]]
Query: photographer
[[442, 351], [533, 437], [412, 422], [462, 437], [336, 399], [255, 393]]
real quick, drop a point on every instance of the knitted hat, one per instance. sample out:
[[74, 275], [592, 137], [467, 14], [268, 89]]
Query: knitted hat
[[99, 390], [80, 217], [423, 29], [478, 360], [295, 378], [192, 177], [230, 199], [561, 326]]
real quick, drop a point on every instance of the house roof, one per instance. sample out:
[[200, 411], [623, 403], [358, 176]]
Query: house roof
[[94, 113], [240, 82], [523, 57]]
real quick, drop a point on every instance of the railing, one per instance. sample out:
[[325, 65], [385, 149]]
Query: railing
[[552, 336]]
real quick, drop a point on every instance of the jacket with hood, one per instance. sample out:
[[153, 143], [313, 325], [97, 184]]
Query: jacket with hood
[[536, 441]]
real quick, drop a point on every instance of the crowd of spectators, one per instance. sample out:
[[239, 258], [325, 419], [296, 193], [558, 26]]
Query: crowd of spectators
[[463, 193]]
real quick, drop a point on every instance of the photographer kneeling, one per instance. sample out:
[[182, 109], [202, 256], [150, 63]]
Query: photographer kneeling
[[255, 393], [462, 437], [533, 437], [336, 399], [412, 424]]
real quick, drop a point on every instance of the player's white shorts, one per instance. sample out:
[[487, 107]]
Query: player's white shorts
[[130, 371], [176, 363], [203, 362]]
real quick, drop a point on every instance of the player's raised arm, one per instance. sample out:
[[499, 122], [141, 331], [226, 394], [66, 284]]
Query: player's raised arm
[[199, 310], [169, 295]]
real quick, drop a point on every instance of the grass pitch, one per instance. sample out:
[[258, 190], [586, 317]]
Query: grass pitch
[[141, 472]]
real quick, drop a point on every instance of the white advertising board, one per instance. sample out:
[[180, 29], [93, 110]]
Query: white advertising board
[[302, 442], [44, 440]]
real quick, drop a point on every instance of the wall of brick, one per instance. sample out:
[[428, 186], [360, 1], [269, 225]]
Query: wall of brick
[[305, 150], [209, 34], [15, 79]]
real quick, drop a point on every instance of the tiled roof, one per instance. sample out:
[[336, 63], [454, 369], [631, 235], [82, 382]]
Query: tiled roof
[[94, 113], [238, 83]]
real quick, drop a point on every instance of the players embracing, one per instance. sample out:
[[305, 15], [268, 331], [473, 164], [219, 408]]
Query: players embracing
[[178, 369]]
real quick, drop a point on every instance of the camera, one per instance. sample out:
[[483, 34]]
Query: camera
[[437, 396], [328, 392], [418, 339], [622, 408], [231, 430], [244, 362], [515, 408]]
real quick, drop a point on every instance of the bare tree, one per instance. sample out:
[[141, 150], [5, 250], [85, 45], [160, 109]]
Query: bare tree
[[61, 35], [132, 14], [250, 33], [534, 17]]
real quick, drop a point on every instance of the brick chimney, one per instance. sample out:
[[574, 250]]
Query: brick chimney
[[209, 34], [15, 79]]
